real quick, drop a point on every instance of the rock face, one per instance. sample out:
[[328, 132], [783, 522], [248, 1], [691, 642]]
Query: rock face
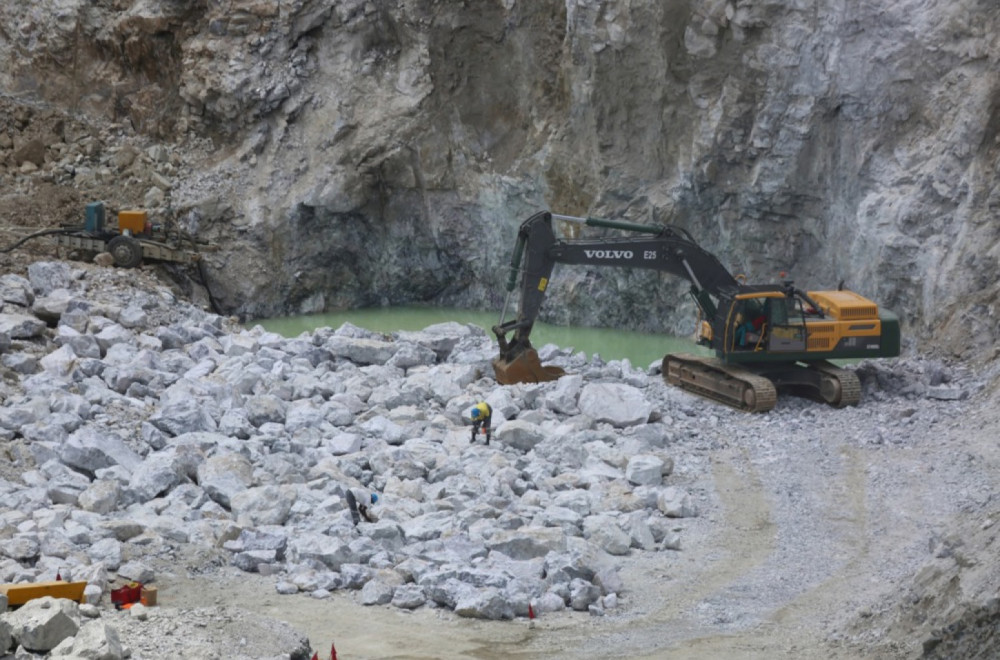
[[386, 152]]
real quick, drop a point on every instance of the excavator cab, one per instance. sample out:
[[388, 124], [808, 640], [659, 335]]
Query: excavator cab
[[745, 321], [753, 325], [769, 320]]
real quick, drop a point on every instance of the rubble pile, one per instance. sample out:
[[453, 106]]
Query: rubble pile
[[147, 436], [51, 627], [138, 424], [43, 146]]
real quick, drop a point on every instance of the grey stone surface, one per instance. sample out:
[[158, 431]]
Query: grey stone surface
[[40, 625], [224, 475], [47, 276], [519, 434], [644, 470], [408, 597], [90, 450], [616, 403], [20, 326], [376, 592], [95, 640], [16, 289], [674, 502]]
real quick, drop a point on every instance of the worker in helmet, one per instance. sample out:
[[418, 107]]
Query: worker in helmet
[[361, 507], [481, 416]]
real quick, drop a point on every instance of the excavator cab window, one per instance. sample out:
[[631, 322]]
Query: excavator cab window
[[776, 310], [787, 324]]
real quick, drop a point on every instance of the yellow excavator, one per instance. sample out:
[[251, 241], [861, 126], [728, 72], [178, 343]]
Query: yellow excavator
[[766, 337]]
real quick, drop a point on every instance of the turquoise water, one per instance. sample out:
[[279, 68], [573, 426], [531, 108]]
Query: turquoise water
[[641, 349]]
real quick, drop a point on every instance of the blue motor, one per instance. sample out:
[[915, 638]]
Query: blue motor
[[94, 224]]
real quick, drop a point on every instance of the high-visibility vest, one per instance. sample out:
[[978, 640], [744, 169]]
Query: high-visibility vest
[[480, 411]]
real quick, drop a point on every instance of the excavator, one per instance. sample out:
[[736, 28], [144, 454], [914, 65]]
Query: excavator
[[765, 337]]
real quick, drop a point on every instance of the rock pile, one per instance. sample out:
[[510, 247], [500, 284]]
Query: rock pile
[[44, 149], [139, 423], [140, 428], [47, 623], [49, 627]]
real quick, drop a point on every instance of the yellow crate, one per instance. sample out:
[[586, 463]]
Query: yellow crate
[[21, 593]]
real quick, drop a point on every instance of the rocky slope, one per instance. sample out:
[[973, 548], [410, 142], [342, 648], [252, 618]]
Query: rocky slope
[[145, 439], [359, 153]]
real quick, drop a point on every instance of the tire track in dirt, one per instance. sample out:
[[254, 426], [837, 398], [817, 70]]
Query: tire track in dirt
[[771, 563], [706, 601], [794, 629], [848, 510], [737, 536]]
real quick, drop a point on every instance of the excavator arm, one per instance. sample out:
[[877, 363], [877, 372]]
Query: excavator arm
[[537, 251]]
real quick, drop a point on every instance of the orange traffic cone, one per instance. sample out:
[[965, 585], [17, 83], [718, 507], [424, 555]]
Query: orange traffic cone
[[531, 611], [333, 651], [315, 656]]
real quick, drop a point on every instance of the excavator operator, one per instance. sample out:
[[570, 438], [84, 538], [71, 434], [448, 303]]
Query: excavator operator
[[750, 328]]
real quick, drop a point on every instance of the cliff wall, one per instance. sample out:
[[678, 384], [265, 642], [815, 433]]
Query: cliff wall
[[361, 153]]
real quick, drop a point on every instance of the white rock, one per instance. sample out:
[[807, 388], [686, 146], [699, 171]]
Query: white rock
[[224, 475], [644, 470], [615, 403], [47, 276], [263, 505], [520, 435], [563, 397], [97, 640], [42, 623], [528, 542], [408, 597], [674, 502], [376, 592], [605, 533]]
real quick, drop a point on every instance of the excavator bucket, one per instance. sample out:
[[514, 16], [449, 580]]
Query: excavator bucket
[[524, 368]]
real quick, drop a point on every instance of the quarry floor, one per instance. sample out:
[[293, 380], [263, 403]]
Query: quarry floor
[[808, 545]]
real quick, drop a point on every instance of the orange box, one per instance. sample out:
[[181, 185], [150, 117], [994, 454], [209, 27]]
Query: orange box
[[148, 597], [132, 221]]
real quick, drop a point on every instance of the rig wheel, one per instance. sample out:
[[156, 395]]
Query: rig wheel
[[126, 251]]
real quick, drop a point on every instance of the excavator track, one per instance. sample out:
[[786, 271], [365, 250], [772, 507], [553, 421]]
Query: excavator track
[[726, 383], [838, 387]]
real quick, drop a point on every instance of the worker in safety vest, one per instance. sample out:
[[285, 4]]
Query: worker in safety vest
[[481, 416]]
